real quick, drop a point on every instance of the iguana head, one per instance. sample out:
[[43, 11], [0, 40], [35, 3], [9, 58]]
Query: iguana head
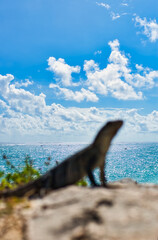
[[106, 134]]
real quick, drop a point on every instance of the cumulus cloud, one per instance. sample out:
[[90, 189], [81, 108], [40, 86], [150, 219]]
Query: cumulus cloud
[[139, 67], [25, 116], [117, 78], [25, 83], [114, 44], [29, 118], [150, 28], [77, 96], [20, 99], [58, 123], [109, 80], [146, 80], [4, 83], [62, 70]]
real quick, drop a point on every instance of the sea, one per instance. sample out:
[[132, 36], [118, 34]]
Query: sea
[[138, 161]]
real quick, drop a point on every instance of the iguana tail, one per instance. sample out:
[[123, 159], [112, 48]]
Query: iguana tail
[[28, 189]]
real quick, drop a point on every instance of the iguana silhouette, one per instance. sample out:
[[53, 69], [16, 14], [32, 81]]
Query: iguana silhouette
[[73, 168]]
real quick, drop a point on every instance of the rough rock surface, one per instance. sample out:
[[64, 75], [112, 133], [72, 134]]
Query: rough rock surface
[[125, 210]]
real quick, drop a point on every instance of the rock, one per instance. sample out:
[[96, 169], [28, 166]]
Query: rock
[[125, 210], [11, 224]]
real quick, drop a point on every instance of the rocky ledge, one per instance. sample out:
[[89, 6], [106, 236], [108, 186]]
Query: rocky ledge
[[125, 210]]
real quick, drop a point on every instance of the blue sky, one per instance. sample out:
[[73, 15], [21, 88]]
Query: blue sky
[[68, 66]]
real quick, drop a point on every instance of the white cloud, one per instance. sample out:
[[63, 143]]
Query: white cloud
[[139, 67], [105, 5], [20, 99], [114, 44], [109, 80], [4, 83], [77, 96], [90, 66], [58, 123], [115, 16], [124, 4], [112, 14], [146, 80], [117, 78], [98, 52], [62, 70], [23, 84], [25, 117], [116, 56], [150, 28]]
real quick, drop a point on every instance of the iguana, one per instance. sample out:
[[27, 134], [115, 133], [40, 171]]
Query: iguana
[[74, 167]]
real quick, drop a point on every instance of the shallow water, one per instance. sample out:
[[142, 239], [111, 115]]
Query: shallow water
[[138, 160]]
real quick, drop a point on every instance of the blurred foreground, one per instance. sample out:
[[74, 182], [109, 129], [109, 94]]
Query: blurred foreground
[[125, 211]]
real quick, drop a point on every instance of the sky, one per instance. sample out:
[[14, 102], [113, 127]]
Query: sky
[[69, 66]]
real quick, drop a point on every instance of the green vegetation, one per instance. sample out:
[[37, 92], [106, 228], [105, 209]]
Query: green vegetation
[[82, 183], [17, 177], [25, 174]]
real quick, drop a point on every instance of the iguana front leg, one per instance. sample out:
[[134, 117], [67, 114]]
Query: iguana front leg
[[102, 175], [91, 177]]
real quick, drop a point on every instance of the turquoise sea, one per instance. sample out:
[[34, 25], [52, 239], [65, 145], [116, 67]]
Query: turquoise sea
[[138, 161]]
